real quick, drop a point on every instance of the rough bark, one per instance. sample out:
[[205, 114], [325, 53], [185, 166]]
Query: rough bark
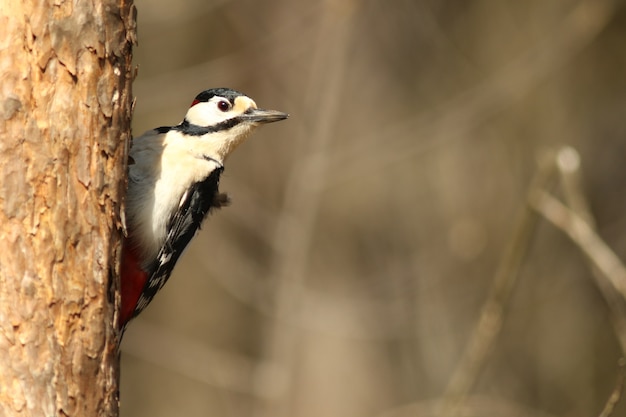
[[65, 107]]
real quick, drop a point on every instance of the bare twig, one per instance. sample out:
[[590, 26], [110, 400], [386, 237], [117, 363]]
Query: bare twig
[[611, 277], [616, 394], [491, 317], [598, 252], [568, 164]]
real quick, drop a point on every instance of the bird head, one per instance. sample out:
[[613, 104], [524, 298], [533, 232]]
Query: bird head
[[226, 117], [222, 108]]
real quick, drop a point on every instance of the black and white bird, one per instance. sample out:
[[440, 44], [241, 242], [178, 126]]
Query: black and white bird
[[173, 183]]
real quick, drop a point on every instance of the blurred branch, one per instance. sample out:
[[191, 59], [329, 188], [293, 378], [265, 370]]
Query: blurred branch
[[491, 317], [194, 360], [568, 163], [610, 273], [295, 225], [471, 108], [616, 395], [315, 310], [474, 406], [583, 235], [596, 250]]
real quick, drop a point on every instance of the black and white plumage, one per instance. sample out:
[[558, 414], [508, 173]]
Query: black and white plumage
[[173, 183]]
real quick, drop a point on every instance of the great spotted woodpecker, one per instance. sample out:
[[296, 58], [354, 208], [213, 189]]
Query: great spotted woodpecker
[[173, 182]]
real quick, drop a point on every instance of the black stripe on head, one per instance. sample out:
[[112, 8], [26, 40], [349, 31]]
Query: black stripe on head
[[163, 129], [195, 130], [207, 95]]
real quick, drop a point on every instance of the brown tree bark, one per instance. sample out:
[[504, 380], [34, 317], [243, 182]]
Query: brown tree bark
[[65, 107]]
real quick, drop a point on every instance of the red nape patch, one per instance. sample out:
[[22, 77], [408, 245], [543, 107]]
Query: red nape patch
[[132, 282], [193, 103]]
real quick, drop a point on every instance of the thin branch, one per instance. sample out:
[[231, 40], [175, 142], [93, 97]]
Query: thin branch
[[491, 317], [598, 252], [568, 164], [616, 395]]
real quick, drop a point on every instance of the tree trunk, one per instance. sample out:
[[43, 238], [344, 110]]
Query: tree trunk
[[65, 107]]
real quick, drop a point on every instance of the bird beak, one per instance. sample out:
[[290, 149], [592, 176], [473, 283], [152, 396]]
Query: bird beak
[[264, 116]]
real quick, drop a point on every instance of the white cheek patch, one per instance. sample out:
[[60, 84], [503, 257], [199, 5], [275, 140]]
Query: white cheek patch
[[206, 114], [220, 142]]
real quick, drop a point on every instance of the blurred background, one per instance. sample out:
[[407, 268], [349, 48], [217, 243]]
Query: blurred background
[[369, 230]]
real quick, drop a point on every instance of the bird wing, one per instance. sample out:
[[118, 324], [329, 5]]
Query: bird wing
[[194, 206]]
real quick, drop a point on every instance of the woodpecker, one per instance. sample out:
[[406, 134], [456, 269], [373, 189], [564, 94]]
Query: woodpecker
[[173, 184]]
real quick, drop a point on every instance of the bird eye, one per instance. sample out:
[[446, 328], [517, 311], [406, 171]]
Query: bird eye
[[223, 105]]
